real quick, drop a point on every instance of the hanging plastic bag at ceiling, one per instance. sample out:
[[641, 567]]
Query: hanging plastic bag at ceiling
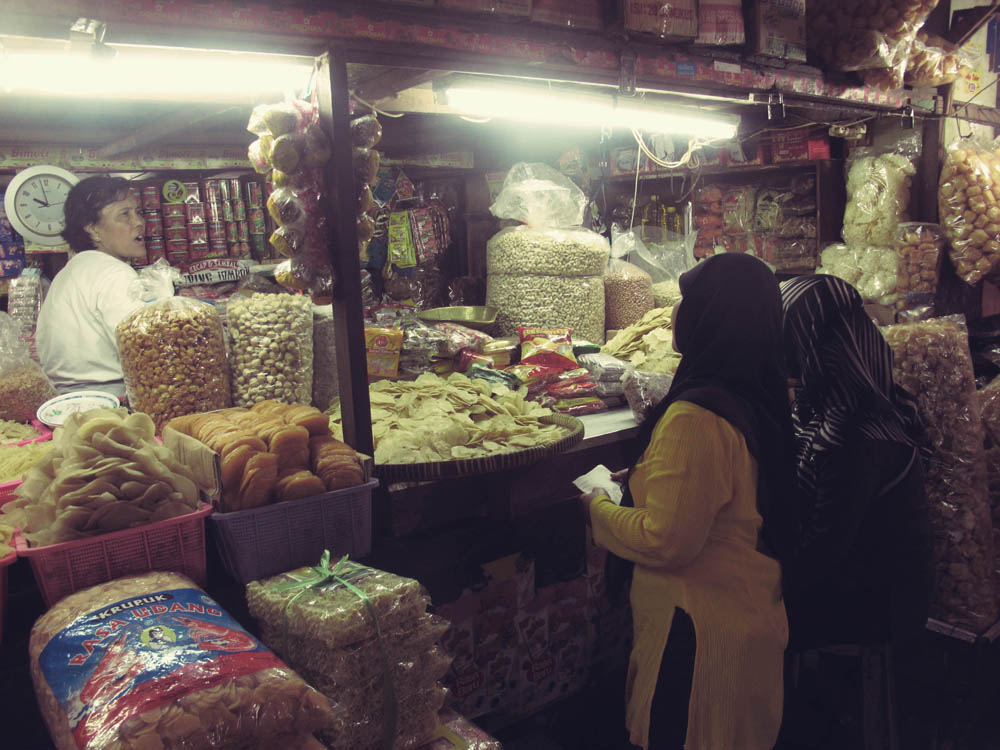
[[969, 206], [878, 191], [934, 61]]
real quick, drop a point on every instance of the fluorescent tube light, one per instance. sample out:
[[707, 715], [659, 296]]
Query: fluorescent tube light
[[151, 74], [531, 104]]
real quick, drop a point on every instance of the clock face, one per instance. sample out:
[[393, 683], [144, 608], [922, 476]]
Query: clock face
[[34, 203], [39, 204]]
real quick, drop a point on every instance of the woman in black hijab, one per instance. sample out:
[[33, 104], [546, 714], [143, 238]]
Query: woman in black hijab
[[713, 470], [861, 572]]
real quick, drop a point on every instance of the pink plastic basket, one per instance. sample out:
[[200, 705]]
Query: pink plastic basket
[[44, 433], [177, 544], [7, 491], [265, 541], [5, 562]]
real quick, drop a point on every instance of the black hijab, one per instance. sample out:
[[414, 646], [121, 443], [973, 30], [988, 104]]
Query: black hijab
[[728, 331], [845, 370]]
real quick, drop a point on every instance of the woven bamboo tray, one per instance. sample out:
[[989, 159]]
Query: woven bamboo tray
[[488, 464]]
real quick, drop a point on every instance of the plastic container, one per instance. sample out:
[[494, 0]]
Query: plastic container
[[5, 562], [44, 433], [7, 491], [265, 541], [177, 544]]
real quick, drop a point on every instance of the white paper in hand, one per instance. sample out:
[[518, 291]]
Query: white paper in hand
[[600, 478]]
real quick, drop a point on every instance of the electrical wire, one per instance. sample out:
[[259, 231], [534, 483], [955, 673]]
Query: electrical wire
[[635, 192], [375, 109]]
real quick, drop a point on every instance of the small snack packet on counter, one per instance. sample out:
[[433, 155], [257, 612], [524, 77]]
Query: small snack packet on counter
[[462, 337], [610, 388], [383, 346], [535, 377], [503, 351], [494, 376], [576, 406], [604, 367], [467, 358], [552, 347]]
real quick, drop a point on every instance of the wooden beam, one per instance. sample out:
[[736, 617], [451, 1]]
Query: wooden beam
[[393, 81], [342, 200], [965, 23], [161, 129]]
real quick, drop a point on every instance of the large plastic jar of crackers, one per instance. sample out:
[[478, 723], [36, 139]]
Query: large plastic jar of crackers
[[271, 337], [920, 248], [174, 359]]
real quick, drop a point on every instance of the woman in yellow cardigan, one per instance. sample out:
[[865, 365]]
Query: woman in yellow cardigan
[[709, 518]]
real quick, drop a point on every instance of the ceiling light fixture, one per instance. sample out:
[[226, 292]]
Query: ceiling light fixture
[[584, 109], [150, 74]]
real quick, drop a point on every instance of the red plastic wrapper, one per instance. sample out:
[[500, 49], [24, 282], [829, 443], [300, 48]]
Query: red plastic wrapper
[[574, 387], [547, 346]]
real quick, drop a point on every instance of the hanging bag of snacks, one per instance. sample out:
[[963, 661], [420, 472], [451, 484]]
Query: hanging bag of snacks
[[969, 206]]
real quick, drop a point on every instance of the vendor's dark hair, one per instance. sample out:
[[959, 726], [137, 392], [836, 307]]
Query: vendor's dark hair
[[83, 207]]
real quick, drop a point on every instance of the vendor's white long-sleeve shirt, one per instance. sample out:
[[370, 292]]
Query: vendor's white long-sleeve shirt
[[75, 335]]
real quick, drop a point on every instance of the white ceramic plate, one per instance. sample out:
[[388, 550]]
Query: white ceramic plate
[[55, 411]]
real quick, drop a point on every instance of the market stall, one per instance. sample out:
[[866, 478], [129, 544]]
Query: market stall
[[478, 309]]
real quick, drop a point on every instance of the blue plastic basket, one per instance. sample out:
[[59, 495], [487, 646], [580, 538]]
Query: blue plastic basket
[[265, 541]]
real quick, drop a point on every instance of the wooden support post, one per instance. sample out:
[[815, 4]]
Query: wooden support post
[[349, 326]]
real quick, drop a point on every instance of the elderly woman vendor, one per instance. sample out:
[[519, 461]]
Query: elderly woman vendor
[[90, 296]]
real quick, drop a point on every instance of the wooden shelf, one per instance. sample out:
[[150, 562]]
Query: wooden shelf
[[715, 171]]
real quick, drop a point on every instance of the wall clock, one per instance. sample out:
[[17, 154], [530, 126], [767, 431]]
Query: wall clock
[[34, 203]]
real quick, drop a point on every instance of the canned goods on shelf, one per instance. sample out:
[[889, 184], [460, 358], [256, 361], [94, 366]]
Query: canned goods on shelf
[[239, 210], [172, 209], [177, 247], [258, 224], [195, 213], [255, 195], [227, 211], [235, 189], [258, 245], [150, 197], [213, 210], [217, 230], [174, 222], [177, 233], [232, 231], [154, 226], [197, 233], [243, 231], [213, 190], [192, 192], [220, 246], [198, 250]]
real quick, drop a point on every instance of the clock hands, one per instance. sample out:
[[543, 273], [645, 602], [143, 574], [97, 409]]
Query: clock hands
[[44, 204], [44, 195]]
